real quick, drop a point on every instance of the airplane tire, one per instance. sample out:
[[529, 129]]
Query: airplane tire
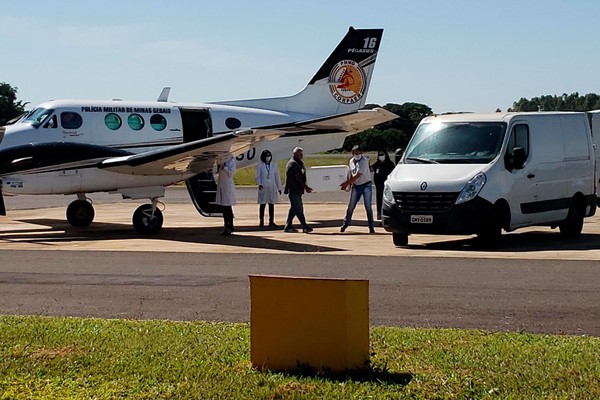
[[400, 239], [145, 222], [80, 213]]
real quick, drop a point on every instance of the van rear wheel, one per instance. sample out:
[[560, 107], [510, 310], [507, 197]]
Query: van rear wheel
[[573, 225], [400, 239]]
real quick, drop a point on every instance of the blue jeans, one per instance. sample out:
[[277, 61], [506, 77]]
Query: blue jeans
[[366, 191], [296, 210]]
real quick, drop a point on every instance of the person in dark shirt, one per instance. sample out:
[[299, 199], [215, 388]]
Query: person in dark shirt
[[381, 169], [295, 186]]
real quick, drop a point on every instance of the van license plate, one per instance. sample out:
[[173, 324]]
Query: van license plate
[[421, 219]]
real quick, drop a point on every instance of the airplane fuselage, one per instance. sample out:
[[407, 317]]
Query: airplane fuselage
[[137, 127]]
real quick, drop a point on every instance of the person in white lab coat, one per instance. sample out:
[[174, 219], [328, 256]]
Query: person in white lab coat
[[268, 180], [226, 192]]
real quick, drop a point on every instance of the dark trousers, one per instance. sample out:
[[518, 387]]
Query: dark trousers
[[379, 198], [228, 217], [261, 213], [296, 210]]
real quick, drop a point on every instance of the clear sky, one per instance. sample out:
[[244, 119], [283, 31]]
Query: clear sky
[[450, 55]]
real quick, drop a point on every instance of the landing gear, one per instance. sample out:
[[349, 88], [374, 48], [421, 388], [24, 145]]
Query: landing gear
[[80, 212], [148, 218]]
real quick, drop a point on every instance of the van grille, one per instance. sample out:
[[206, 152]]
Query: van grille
[[424, 202]]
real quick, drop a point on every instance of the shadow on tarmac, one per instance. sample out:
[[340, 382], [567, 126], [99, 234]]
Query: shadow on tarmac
[[58, 231]]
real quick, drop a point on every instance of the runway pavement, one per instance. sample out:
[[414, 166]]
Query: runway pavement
[[534, 281]]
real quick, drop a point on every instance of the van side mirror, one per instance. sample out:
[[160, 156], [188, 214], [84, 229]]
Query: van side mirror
[[516, 160], [398, 155]]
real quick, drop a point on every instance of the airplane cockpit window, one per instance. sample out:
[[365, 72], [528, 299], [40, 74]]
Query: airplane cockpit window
[[37, 116], [112, 121], [70, 120], [158, 122], [51, 123], [135, 122]]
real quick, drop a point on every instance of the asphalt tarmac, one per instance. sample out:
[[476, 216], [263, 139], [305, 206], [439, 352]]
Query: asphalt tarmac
[[535, 281]]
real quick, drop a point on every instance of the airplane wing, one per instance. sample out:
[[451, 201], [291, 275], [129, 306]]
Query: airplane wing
[[195, 157]]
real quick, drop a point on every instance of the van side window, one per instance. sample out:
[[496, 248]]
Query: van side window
[[70, 120], [519, 139]]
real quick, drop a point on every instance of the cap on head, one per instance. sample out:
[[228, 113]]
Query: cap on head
[[297, 149]]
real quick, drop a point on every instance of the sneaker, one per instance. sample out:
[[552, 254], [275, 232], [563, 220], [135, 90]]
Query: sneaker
[[227, 232], [261, 224], [307, 230], [290, 230], [273, 224], [371, 230], [343, 228]]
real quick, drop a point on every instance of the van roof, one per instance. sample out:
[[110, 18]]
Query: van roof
[[492, 117]]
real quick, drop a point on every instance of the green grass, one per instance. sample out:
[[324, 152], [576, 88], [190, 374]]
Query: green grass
[[70, 358]]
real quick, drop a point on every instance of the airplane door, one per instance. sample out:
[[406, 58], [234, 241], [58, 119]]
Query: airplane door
[[202, 188], [196, 124]]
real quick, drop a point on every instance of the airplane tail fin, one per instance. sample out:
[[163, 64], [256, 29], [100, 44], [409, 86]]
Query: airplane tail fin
[[339, 86]]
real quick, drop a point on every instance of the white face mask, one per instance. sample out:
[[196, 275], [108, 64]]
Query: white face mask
[[381, 158], [357, 157], [268, 159]]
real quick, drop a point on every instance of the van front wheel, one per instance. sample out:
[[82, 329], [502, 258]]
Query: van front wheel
[[400, 239], [572, 226]]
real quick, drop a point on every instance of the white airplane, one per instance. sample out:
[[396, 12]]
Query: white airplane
[[137, 148]]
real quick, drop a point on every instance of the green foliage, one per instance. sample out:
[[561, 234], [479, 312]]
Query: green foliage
[[9, 106], [572, 102], [73, 358], [392, 134]]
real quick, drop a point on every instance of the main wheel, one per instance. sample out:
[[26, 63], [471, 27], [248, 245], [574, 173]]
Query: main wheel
[[491, 232], [572, 226], [144, 221], [80, 213], [400, 239]]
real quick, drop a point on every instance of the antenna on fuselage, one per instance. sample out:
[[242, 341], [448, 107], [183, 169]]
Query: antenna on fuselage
[[164, 95]]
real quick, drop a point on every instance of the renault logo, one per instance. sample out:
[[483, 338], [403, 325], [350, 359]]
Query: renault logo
[[423, 185]]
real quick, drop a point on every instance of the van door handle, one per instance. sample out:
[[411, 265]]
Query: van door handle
[[530, 176]]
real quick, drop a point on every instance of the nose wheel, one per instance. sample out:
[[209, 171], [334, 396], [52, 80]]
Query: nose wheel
[[147, 218], [80, 213]]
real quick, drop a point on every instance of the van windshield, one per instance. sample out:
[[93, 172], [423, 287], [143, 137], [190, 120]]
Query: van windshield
[[455, 143]]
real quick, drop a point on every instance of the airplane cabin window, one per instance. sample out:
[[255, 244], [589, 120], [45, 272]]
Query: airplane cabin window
[[158, 122], [112, 121], [70, 120], [135, 122], [233, 123]]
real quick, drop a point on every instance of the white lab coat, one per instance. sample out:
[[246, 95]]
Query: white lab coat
[[225, 185], [268, 176]]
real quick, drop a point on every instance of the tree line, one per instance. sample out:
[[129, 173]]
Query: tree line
[[388, 136]]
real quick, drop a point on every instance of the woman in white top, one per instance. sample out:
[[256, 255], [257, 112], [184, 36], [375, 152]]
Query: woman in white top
[[226, 192], [269, 187]]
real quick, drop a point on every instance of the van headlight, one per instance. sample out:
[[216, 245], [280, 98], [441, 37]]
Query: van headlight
[[388, 196], [472, 188]]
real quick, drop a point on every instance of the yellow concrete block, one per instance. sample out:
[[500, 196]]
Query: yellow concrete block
[[323, 323]]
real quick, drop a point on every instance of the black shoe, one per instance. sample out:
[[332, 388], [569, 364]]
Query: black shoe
[[261, 224], [307, 230], [273, 224], [371, 230], [343, 228], [290, 230], [227, 232]]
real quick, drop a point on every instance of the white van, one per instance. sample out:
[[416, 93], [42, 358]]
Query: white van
[[481, 173]]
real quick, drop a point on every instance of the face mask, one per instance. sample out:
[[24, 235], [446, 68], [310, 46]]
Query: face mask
[[268, 158], [381, 158], [357, 157]]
